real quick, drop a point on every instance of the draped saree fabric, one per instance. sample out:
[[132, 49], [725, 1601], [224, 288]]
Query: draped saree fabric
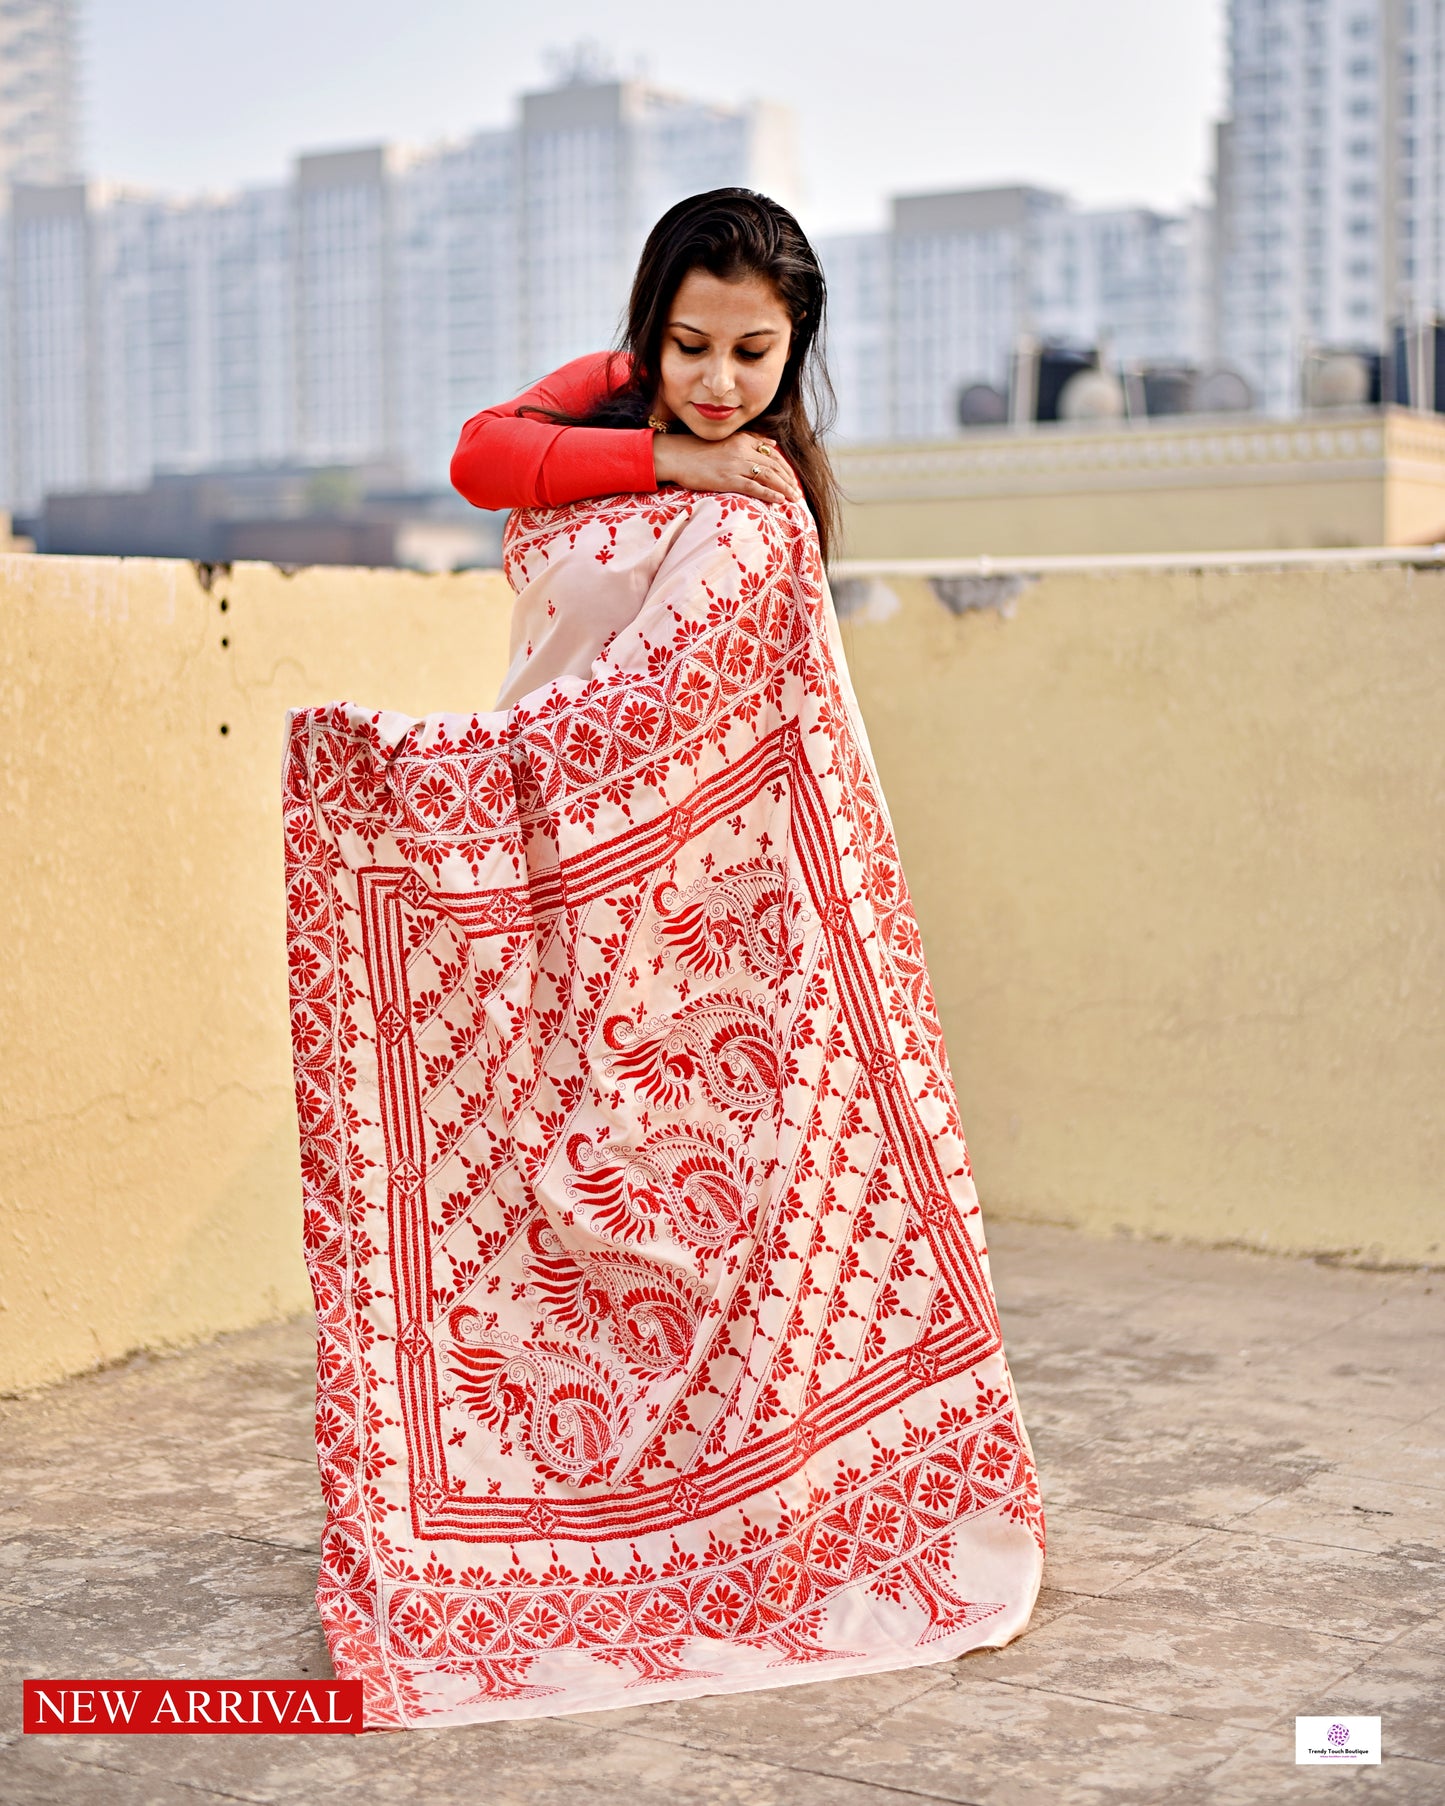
[[658, 1349]]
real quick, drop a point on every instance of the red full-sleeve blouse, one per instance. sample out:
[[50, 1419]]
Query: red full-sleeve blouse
[[509, 460]]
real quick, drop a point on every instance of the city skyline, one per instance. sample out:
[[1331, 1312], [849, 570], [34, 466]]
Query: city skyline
[[358, 311], [954, 101], [355, 310], [353, 314]]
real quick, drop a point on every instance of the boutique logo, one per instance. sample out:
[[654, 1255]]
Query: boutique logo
[[1336, 1740]]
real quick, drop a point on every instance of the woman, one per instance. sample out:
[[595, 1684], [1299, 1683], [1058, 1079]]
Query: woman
[[712, 394], [658, 1351]]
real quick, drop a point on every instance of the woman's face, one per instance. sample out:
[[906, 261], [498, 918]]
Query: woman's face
[[723, 353]]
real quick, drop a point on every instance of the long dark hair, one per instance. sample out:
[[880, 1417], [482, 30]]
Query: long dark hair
[[734, 233]]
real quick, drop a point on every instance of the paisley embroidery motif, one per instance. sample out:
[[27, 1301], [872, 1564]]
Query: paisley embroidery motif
[[567, 1404], [720, 1050], [696, 1184], [650, 1308], [746, 917]]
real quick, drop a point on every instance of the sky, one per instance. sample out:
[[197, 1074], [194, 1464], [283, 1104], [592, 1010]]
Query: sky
[[1112, 102]]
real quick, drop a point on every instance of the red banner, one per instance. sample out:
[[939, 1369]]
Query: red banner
[[193, 1708]]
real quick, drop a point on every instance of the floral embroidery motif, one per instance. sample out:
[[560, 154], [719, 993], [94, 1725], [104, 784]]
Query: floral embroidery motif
[[720, 1050]]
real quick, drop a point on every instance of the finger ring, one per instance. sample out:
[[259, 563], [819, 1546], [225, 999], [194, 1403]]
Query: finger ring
[[757, 470]]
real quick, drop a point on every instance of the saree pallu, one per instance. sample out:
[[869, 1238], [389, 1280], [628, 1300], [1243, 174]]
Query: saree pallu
[[658, 1352]]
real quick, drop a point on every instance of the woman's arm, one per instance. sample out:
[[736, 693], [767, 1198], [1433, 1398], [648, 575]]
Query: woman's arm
[[506, 460]]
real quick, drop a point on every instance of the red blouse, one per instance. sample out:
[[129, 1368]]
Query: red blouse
[[504, 460]]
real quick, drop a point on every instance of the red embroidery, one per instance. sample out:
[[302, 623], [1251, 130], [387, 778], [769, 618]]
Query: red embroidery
[[742, 919], [718, 1051], [571, 1404], [653, 1328], [693, 1183], [649, 1308]]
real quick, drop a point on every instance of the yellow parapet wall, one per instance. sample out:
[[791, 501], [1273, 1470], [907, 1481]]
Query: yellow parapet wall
[[1176, 841], [149, 1191]]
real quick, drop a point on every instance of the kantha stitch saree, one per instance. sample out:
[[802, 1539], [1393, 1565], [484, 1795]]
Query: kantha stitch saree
[[658, 1349]]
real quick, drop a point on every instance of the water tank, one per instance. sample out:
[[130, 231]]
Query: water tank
[[1340, 379], [1223, 390], [980, 404], [1055, 365], [1169, 389], [1092, 395]]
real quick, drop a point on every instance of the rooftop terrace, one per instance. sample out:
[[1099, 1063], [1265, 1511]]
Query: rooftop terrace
[[1173, 830], [1243, 1467]]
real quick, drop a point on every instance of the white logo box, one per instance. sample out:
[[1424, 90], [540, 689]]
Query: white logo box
[[1344, 1739]]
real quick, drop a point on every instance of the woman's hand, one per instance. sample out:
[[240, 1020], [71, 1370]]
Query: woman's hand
[[742, 464]]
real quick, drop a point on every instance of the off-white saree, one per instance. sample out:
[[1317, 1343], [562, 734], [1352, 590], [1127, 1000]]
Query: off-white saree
[[658, 1348]]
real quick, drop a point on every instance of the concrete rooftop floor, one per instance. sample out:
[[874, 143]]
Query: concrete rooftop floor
[[1243, 1467]]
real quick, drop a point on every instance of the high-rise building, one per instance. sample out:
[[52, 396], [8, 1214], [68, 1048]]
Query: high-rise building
[[191, 334], [964, 274], [144, 261], [458, 299], [599, 163], [1301, 239], [51, 374], [344, 257], [1413, 164], [355, 316], [250, 302], [1332, 181], [1129, 279], [939, 302], [859, 341], [39, 112]]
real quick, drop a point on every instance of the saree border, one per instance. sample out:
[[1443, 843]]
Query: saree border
[[437, 1509]]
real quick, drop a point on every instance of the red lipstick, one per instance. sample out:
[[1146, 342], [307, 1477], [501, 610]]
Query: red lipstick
[[713, 413]]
